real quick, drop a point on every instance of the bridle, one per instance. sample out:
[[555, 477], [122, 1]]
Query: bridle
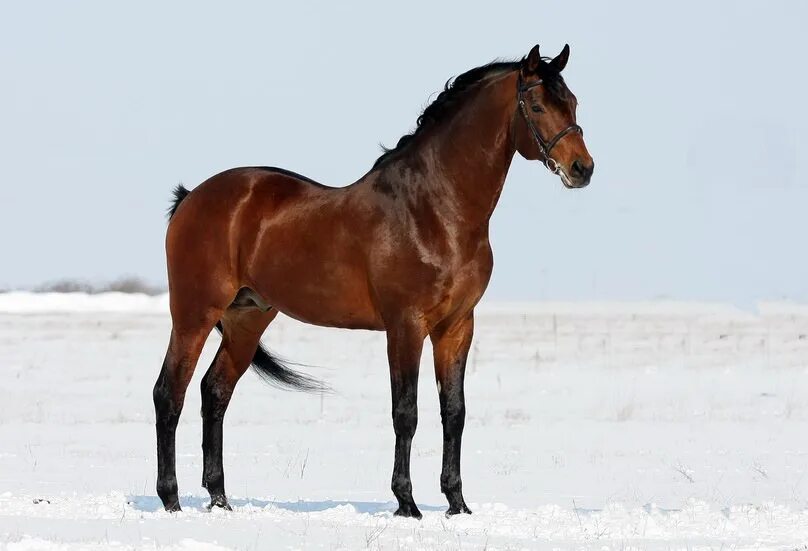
[[544, 146]]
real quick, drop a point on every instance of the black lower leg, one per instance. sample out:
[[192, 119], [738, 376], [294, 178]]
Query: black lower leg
[[451, 346], [167, 415], [405, 421], [215, 398], [405, 340], [453, 415]]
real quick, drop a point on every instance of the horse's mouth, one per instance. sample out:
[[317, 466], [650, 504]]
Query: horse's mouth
[[567, 181]]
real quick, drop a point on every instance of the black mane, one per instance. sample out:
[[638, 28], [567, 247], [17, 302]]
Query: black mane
[[455, 90]]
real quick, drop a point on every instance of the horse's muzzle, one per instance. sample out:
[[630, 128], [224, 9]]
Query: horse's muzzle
[[579, 174]]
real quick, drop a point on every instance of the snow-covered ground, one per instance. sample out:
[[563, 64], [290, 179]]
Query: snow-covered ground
[[644, 425]]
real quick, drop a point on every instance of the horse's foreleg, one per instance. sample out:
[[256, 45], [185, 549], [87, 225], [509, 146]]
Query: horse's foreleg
[[405, 340], [241, 331], [169, 396], [451, 348]]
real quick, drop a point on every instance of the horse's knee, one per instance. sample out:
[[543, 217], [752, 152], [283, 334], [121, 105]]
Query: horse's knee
[[453, 416], [405, 418]]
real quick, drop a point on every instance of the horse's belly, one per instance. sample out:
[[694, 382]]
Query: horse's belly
[[333, 311], [331, 294]]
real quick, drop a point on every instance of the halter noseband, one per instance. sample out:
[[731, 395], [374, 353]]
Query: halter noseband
[[544, 146]]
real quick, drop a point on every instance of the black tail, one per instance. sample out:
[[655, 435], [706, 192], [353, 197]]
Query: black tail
[[180, 193], [275, 372]]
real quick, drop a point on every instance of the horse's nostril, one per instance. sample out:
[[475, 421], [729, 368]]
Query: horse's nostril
[[580, 170]]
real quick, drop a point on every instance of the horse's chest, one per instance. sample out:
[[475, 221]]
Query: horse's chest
[[432, 268], [464, 276]]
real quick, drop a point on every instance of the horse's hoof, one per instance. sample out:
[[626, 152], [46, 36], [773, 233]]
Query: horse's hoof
[[220, 502], [408, 511], [173, 507], [456, 510]]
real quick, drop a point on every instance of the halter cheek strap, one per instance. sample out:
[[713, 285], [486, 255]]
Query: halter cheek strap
[[545, 147]]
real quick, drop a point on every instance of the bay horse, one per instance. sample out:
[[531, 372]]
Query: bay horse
[[404, 250]]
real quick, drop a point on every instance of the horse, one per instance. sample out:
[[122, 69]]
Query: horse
[[404, 250]]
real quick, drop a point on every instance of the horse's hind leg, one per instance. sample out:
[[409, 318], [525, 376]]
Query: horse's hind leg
[[241, 330], [169, 395]]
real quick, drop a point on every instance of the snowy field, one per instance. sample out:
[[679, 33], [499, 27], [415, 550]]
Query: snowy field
[[606, 426]]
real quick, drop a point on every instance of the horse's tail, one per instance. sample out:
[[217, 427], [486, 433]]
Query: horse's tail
[[275, 372], [180, 193]]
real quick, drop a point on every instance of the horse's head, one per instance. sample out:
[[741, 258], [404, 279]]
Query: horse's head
[[545, 124]]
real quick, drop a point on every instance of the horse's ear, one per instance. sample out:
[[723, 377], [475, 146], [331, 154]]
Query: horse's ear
[[560, 61], [532, 61]]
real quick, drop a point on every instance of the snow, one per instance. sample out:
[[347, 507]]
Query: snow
[[590, 425], [28, 302]]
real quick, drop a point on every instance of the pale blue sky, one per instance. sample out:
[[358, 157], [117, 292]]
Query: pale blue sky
[[694, 112]]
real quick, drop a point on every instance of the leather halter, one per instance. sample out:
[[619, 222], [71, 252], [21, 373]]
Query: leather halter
[[544, 146]]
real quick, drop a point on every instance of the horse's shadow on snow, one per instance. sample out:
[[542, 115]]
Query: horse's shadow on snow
[[152, 504]]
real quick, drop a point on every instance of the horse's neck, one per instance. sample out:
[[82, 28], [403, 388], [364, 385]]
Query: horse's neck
[[474, 150]]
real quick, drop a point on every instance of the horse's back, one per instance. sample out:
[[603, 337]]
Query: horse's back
[[221, 197]]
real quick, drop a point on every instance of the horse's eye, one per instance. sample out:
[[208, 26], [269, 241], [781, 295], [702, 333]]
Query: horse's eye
[[537, 109]]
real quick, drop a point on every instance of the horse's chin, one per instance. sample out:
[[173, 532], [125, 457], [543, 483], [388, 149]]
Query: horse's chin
[[568, 183], [565, 179]]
